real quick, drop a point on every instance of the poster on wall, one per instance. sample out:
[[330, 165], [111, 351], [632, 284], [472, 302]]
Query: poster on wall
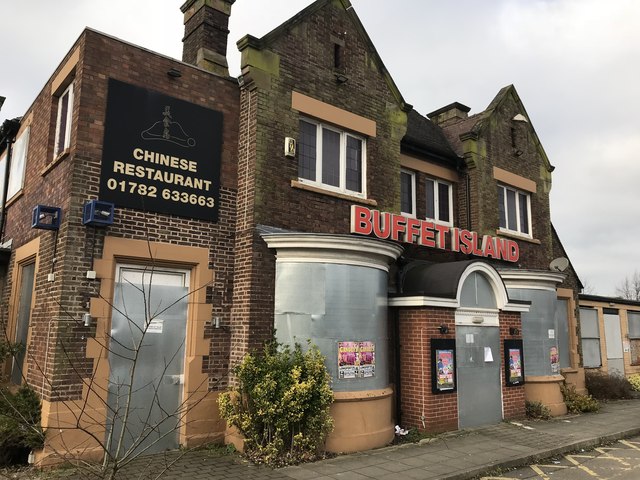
[[160, 154], [444, 369], [513, 363], [555, 359], [356, 359], [443, 366]]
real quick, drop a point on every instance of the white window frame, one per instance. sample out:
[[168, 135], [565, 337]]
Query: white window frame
[[59, 147], [412, 174], [343, 161], [583, 337], [17, 169], [436, 200], [519, 230]]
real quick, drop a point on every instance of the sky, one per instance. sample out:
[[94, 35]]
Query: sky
[[574, 63]]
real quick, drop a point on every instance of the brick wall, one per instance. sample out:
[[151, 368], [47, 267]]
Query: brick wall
[[76, 179], [301, 58], [417, 327], [513, 401]]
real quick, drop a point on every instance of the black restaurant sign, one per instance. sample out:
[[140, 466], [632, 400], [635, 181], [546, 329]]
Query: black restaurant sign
[[160, 154]]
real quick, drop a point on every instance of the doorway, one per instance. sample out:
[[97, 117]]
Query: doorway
[[146, 359], [613, 342], [479, 382]]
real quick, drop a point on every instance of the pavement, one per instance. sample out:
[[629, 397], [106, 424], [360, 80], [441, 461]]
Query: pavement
[[464, 454]]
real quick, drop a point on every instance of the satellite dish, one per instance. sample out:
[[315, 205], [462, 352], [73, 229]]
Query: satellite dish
[[560, 264]]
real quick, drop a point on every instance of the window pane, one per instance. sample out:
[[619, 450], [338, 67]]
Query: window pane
[[354, 164], [443, 202], [307, 151], [61, 128], [431, 201], [503, 216], [589, 323], [635, 351], [330, 157], [18, 162], [512, 223], [591, 352], [524, 213], [406, 193], [3, 163], [634, 324]]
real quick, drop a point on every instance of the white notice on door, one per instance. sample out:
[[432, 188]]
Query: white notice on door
[[469, 337], [552, 333], [155, 326], [488, 354]]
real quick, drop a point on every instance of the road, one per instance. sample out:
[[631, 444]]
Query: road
[[619, 461]]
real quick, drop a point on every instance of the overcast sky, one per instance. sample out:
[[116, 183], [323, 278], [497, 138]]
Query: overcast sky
[[575, 64]]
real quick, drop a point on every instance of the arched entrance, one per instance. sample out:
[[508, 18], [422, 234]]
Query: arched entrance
[[460, 307]]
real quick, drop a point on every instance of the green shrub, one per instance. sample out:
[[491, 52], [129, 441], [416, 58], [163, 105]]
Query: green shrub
[[537, 410], [20, 429], [608, 387], [576, 402], [634, 381], [281, 404]]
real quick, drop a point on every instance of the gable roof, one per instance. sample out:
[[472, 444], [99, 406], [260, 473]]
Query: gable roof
[[425, 138], [477, 123], [274, 34]]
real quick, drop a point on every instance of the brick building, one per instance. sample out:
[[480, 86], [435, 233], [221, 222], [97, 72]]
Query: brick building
[[306, 195]]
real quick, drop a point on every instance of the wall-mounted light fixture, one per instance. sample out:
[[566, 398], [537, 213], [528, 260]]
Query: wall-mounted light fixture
[[174, 73], [86, 319], [514, 331], [216, 322], [443, 329]]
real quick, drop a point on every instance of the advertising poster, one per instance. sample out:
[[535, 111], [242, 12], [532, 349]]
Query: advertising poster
[[444, 369], [515, 366], [555, 359], [356, 359], [367, 359]]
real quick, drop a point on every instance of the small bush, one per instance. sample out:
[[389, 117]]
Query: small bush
[[20, 430], [281, 405], [608, 387], [634, 381], [578, 403], [537, 410]]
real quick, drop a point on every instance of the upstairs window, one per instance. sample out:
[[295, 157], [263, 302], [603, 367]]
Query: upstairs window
[[408, 193], [17, 167], [514, 207], [63, 121], [18, 163], [331, 158], [439, 201]]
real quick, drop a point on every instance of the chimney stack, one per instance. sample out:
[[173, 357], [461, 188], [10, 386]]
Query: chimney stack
[[206, 28], [452, 113]]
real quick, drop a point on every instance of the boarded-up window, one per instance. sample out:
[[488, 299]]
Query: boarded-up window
[[634, 336], [590, 335]]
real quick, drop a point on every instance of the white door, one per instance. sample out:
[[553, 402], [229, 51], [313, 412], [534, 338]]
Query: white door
[[613, 341], [146, 359]]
